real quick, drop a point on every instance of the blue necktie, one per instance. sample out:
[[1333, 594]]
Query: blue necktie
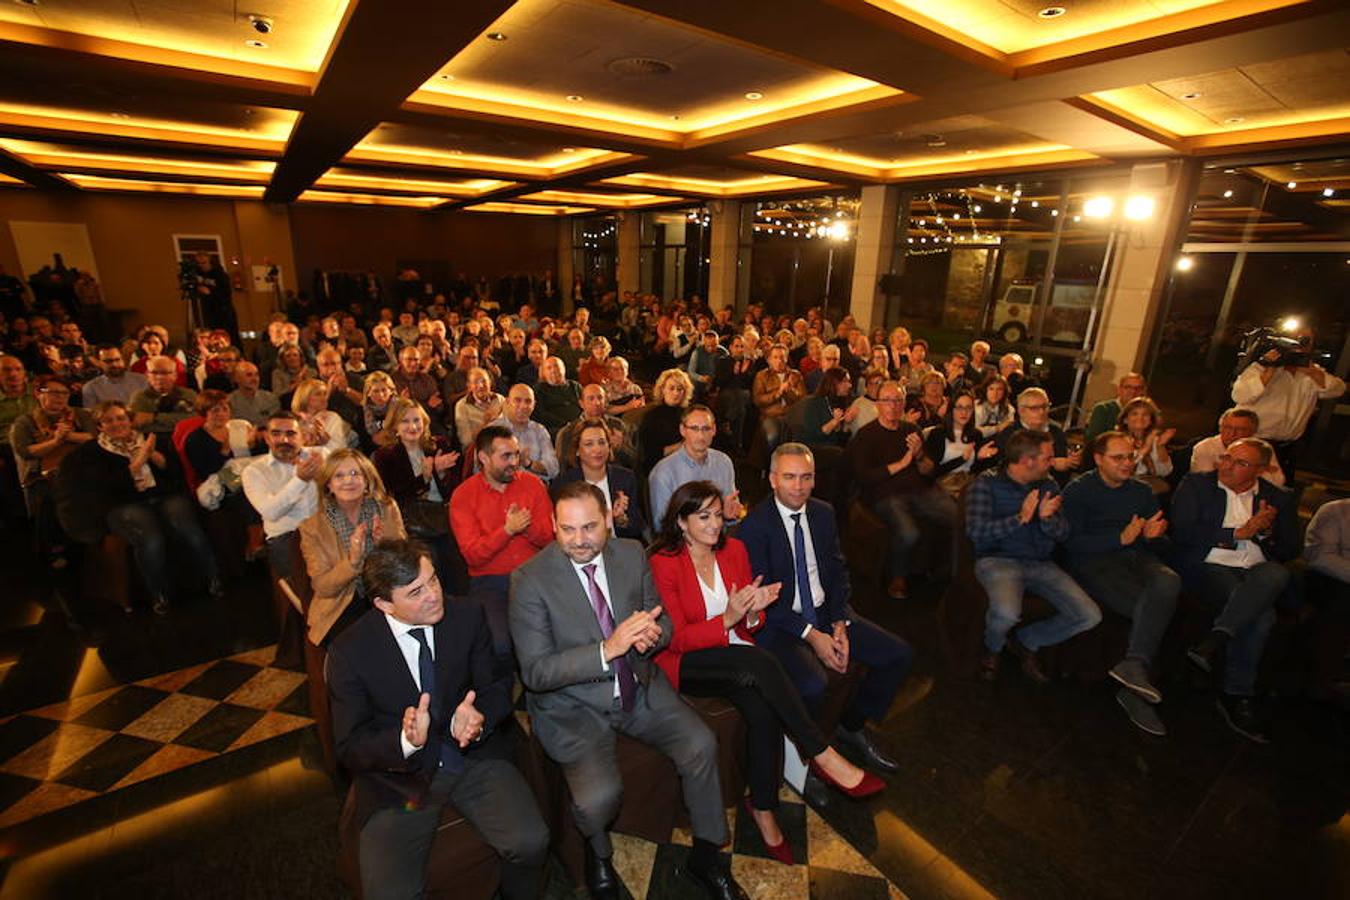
[[451, 761], [803, 577]]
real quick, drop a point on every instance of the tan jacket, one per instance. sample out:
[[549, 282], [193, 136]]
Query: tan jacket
[[331, 574], [765, 390]]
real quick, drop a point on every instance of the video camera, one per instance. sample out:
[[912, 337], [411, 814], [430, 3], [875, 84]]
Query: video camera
[[1259, 342]]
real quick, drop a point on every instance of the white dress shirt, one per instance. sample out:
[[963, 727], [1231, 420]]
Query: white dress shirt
[[1239, 509], [1285, 403], [601, 581], [715, 600], [812, 566], [411, 650], [282, 498]]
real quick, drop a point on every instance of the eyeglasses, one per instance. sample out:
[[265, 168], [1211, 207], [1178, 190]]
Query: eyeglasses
[[1237, 463], [1036, 408], [700, 429]]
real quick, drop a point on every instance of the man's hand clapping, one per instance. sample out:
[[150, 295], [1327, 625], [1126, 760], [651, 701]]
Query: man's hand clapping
[[639, 631]]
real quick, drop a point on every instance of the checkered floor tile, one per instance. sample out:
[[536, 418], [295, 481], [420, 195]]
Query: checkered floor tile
[[66, 753], [827, 868]]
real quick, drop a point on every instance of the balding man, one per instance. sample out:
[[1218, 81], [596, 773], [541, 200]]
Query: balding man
[[162, 404], [1234, 531], [248, 401], [536, 447], [557, 397], [1104, 414], [1234, 424]]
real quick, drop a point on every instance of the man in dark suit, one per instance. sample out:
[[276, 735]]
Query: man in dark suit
[[1233, 531], [793, 539], [416, 716], [585, 619]]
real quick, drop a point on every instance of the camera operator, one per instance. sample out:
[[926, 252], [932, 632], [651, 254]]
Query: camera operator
[[1283, 386]]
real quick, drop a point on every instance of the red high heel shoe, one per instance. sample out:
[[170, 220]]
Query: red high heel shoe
[[780, 851], [869, 785]]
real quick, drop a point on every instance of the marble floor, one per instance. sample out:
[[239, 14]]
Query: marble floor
[[145, 757]]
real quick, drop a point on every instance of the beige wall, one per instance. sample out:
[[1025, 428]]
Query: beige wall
[[132, 238]]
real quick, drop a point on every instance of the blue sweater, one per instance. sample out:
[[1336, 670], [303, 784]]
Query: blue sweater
[[992, 508], [1097, 514]]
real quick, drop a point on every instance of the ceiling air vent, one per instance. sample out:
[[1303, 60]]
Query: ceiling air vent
[[639, 67]]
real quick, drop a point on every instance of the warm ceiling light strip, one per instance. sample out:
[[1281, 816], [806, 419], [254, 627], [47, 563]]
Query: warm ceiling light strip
[[180, 132], [244, 170], [622, 201], [876, 97], [100, 183], [546, 167], [1015, 162], [1272, 134], [1020, 157], [280, 78], [527, 209], [6, 179], [570, 117], [412, 185], [708, 186], [369, 199]]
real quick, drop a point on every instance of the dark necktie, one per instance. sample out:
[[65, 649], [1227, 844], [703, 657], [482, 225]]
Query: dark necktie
[[803, 576], [622, 671], [426, 672]]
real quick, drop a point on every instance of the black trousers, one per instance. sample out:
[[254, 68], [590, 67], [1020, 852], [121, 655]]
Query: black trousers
[[755, 683]]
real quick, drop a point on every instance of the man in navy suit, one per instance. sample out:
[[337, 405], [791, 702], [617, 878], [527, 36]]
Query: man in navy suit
[[1233, 532], [416, 710], [794, 540]]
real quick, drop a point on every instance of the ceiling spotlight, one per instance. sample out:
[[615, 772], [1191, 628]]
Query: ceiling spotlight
[[1228, 195], [1292, 185], [1328, 192], [255, 44], [1054, 212], [1185, 263], [1232, 120], [1035, 204], [754, 95], [674, 118], [1052, 12], [261, 24], [495, 36], [575, 98], [569, 150], [1193, 95], [447, 78]]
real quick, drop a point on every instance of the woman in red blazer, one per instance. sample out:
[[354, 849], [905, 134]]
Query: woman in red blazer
[[715, 606]]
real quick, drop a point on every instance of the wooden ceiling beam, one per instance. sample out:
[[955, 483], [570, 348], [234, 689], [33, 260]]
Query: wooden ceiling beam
[[383, 53], [15, 167]]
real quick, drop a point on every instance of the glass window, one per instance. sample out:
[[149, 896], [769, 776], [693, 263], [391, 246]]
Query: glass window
[[675, 253], [595, 253], [801, 254]]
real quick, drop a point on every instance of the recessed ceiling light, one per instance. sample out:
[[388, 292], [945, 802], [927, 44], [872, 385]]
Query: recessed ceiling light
[[120, 115], [1232, 120], [495, 36], [1193, 95], [456, 152], [1227, 195], [569, 150], [256, 44], [754, 95], [575, 98], [1328, 192], [674, 118], [1052, 12], [447, 78], [1291, 185]]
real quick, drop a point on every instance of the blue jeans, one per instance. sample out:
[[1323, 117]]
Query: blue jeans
[[1244, 599], [1137, 585], [147, 524], [1004, 579]]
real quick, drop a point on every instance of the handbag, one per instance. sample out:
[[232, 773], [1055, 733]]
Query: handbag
[[425, 518]]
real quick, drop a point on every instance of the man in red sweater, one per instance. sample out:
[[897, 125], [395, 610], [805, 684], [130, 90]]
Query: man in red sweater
[[501, 517]]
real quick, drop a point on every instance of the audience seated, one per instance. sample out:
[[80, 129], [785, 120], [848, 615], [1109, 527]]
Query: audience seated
[[319, 425], [557, 397], [248, 401], [895, 480], [280, 485], [1115, 550], [956, 445], [594, 403], [41, 440], [775, 389], [659, 432], [537, 455], [1014, 520], [993, 410], [1234, 532], [734, 382], [1141, 421], [418, 716], [695, 460], [830, 413], [479, 405], [1033, 414], [117, 381], [792, 540], [353, 516], [1235, 423], [716, 606], [586, 619], [1105, 415], [123, 481], [1326, 548], [163, 403]]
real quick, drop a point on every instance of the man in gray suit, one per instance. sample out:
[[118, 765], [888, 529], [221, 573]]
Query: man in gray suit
[[585, 619]]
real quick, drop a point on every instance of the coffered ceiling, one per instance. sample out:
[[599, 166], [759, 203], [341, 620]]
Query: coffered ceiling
[[556, 107]]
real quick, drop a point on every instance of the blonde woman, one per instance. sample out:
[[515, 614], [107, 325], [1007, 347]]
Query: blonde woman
[[376, 394], [659, 433], [319, 425], [354, 515]]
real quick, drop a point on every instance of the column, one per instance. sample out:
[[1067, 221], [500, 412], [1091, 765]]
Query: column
[[264, 232], [564, 268], [629, 250], [874, 250], [724, 251], [1140, 274]]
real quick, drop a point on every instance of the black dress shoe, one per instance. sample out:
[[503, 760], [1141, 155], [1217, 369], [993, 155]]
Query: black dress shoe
[[716, 880], [1206, 654], [872, 755], [601, 879]]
